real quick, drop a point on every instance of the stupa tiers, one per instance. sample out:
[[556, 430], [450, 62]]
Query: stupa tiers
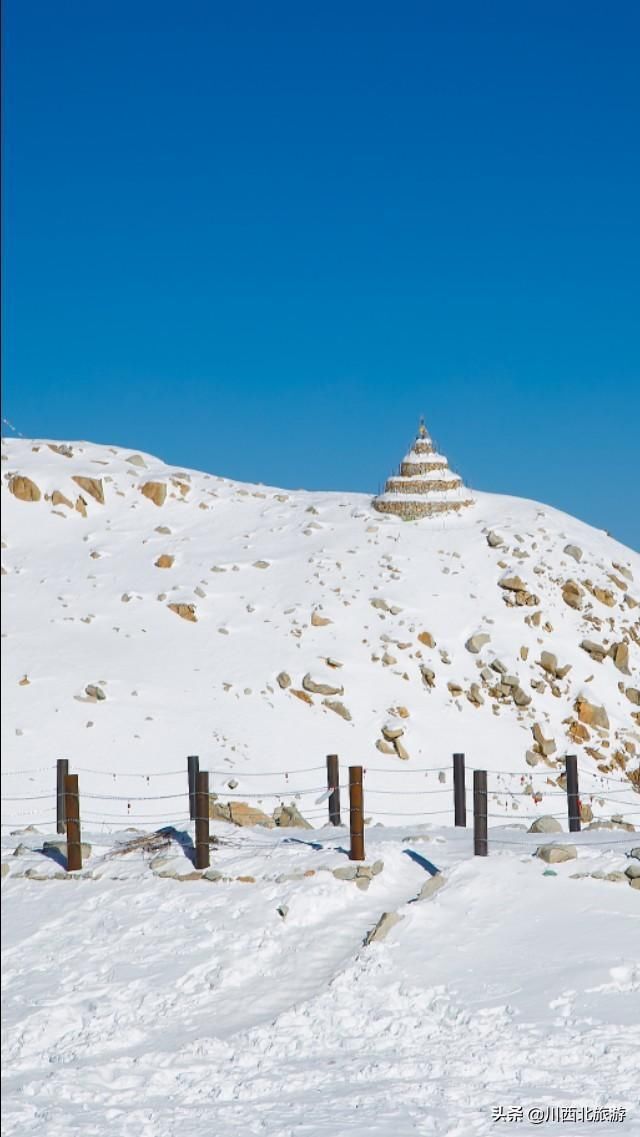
[[425, 486]]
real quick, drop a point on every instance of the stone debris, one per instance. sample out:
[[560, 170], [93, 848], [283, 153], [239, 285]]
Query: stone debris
[[555, 854]]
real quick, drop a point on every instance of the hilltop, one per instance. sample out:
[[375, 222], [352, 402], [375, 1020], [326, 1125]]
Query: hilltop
[[153, 612]]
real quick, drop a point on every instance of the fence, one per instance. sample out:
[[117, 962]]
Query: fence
[[195, 800]]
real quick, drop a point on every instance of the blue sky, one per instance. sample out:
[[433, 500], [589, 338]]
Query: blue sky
[[262, 238]]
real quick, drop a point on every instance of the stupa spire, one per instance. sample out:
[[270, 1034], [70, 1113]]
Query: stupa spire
[[425, 485]]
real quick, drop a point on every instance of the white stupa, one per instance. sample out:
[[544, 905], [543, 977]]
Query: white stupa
[[425, 486]]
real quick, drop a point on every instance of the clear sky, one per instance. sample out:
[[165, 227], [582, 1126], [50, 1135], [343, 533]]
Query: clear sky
[[260, 238]]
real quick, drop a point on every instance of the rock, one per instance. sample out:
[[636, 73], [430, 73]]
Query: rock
[[619, 877], [137, 460], [380, 604], [289, 817], [165, 561], [401, 750], [24, 489], [338, 708], [592, 715], [635, 853], [545, 825], [595, 650], [319, 621], [261, 564], [494, 540], [520, 697], [58, 498], [531, 758], [92, 486], [212, 874], [387, 921], [476, 642], [512, 584], [549, 662], [635, 882], [621, 658], [4, 870], [605, 596], [431, 885], [283, 680], [95, 692], [633, 871], [384, 747], [302, 695], [613, 823], [362, 882], [316, 687], [185, 611], [427, 639], [633, 695], [573, 551], [554, 854], [428, 676], [572, 594], [346, 872], [155, 491], [388, 660], [392, 732], [475, 695], [239, 813]]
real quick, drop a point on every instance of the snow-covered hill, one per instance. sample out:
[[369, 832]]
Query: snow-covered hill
[[263, 629]]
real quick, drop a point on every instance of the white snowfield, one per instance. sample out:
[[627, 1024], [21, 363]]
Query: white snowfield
[[305, 624]]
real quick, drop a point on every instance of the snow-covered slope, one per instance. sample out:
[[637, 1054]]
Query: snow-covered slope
[[316, 589]]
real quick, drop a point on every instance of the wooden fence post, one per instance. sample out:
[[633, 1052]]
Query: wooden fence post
[[72, 814], [573, 796], [193, 765], [356, 814], [480, 844], [459, 791], [62, 769], [202, 820], [333, 785]]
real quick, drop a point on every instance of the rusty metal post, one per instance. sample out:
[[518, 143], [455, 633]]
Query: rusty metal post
[[480, 843], [193, 765], [202, 820], [333, 785], [62, 769], [459, 791], [356, 814], [573, 795], [72, 814]]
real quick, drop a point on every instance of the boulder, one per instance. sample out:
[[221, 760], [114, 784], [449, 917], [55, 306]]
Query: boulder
[[95, 692], [494, 540], [401, 750], [155, 491], [572, 594], [164, 561], [520, 697], [427, 639], [632, 871], [346, 872], [428, 676], [387, 921], [573, 551], [592, 715], [289, 817], [318, 621], [633, 695], [595, 650], [384, 747], [185, 611], [317, 687], [392, 732], [58, 498], [620, 657], [338, 708], [431, 885], [283, 680], [24, 489], [92, 486], [476, 642], [555, 854], [545, 825], [605, 596], [512, 583], [239, 813]]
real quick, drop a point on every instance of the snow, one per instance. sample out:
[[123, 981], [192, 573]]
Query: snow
[[144, 1005], [135, 1004]]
